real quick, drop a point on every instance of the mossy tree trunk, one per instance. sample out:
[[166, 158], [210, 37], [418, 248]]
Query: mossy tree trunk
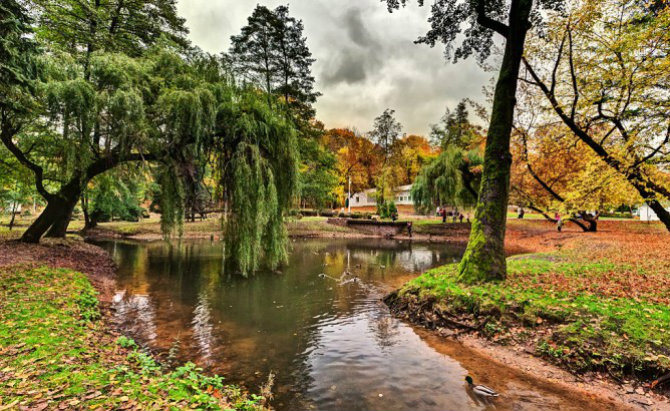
[[484, 258]]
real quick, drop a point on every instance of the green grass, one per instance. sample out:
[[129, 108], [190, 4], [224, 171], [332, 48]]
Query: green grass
[[310, 225], [54, 351], [586, 331]]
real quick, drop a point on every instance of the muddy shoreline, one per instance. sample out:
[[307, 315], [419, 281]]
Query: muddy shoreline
[[522, 358]]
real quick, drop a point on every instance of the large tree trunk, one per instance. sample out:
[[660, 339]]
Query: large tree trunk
[[89, 222], [59, 227], [484, 258], [45, 220], [56, 217]]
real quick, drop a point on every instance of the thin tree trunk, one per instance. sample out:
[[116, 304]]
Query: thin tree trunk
[[88, 223], [484, 258], [11, 221]]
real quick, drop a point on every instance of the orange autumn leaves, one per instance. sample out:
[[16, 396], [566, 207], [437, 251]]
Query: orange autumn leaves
[[554, 171], [363, 160]]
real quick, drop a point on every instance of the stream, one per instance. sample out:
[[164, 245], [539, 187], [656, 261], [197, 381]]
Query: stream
[[318, 325]]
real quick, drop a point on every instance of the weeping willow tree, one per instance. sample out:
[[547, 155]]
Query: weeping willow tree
[[257, 159], [255, 154], [453, 178], [162, 104]]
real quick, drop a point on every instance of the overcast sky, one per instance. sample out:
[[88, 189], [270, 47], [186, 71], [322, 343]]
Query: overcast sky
[[366, 60]]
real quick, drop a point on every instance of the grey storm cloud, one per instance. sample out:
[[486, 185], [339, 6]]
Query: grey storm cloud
[[366, 59], [357, 30], [354, 59]]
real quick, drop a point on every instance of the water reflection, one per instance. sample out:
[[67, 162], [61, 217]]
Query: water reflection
[[330, 341]]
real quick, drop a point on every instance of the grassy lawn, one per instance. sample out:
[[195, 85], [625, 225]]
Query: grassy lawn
[[55, 353], [600, 303], [307, 225]]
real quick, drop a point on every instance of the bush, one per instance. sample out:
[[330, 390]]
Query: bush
[[386, 210]]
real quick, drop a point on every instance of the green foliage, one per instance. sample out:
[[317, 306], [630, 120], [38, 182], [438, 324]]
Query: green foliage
[[271, 52], [88, 305], [318, 174], [171, 200], [125, 26], [259, 173], [466, 28], [455, 129], [126, 342], [17, 65], [449, 179], [387, 209], [115, 197]]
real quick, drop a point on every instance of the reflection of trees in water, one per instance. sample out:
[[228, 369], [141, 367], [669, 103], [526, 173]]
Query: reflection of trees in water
[[136, 313], [385, 328], [202, 328]]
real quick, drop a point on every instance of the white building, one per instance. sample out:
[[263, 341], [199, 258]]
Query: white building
[[403, 195], [368, 198], [647, 214]]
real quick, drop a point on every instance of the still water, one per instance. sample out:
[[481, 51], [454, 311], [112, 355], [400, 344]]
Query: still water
[[328, 338]]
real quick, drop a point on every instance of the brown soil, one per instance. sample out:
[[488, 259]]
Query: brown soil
[[575, 392]]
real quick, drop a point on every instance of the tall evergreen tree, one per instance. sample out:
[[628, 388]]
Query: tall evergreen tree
[[271, 51], [475, 22], [454, 129], [386, 130]]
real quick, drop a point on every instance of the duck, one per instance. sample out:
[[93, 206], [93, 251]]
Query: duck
[[481, 390]]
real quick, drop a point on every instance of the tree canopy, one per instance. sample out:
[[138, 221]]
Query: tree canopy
[[386, 130], [271, 51], [131, 95], [452, 178], [602, 71]]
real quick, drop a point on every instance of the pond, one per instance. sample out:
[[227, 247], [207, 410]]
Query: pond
[[319, 325]]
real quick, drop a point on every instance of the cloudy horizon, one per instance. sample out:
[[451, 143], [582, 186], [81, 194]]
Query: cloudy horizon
[[366, 59]]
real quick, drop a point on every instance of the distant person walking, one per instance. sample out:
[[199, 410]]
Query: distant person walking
[[444, 215], [522, 212], [559, 222]]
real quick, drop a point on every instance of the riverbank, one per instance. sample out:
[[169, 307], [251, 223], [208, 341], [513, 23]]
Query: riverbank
[[595, 304], [149, 230], [58, 349]]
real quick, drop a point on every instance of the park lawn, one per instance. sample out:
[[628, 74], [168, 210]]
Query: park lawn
[[55, 353], [599, 303], [307, 226]]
